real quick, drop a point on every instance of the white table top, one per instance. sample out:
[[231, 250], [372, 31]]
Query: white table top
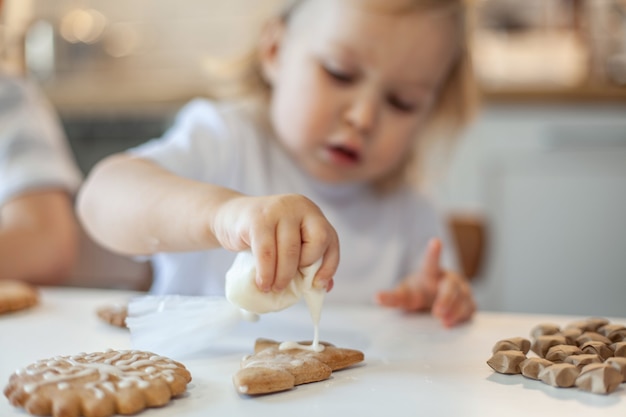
[[413, 366]]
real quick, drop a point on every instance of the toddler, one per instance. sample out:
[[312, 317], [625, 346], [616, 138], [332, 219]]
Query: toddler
[[347, 94]]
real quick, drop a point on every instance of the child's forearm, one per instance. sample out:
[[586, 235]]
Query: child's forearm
[[133, 206]]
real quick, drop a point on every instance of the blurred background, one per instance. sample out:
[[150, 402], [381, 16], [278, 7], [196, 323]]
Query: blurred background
[[535, 190]]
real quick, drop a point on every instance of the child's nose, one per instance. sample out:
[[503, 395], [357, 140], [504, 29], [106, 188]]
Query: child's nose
[[362, 113]]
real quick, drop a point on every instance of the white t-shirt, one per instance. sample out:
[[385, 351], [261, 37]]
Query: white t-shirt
[[33, 149], [382, 238]]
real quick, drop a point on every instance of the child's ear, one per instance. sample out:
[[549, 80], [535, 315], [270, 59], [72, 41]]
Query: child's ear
[[270, 43]]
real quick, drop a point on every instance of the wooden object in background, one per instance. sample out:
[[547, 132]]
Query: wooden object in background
[[468, 232]]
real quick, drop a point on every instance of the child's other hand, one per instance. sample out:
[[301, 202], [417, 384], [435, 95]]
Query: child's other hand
[[284, 232], [447, 294]]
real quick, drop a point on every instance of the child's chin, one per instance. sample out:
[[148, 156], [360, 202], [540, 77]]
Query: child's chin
[[334, 178]]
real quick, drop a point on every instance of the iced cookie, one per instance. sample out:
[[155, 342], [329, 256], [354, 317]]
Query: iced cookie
[[114, 314], [271, 369], [16, 295], [97, 384]]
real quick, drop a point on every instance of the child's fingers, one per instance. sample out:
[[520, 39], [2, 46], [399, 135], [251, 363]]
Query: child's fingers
[[454, 302], [460, 312], [330, 262], [319, 240], [447, 293], [263, 246], [389, 298], [403, 297], [430, 267], [288, 243]]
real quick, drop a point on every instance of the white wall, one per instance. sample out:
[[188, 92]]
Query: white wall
[[551, 181]]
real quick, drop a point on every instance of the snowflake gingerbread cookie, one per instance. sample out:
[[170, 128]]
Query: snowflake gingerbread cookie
[[97, 384]]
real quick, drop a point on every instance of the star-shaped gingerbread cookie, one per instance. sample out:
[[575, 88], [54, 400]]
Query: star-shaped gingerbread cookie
[[271, 369]]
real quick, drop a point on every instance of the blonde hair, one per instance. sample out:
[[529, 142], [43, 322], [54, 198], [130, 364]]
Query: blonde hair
[[453, 111]]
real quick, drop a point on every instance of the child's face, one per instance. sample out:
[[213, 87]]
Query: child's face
[[352, 86]]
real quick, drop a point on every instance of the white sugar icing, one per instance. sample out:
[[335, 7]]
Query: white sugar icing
[[124, 369], [241, 288], [242, 291]]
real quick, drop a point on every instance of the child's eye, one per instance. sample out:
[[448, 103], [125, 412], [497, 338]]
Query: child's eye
[[401, 105], [338, 75]]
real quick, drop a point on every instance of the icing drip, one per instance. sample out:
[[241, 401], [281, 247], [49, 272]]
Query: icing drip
[[314, 299], [242, 291]]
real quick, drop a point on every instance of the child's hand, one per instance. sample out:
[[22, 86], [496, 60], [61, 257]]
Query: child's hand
[[284, 233], [447, 294]]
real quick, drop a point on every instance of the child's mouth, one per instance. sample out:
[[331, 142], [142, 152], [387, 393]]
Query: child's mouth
[[343, 156]]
